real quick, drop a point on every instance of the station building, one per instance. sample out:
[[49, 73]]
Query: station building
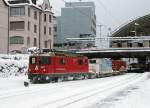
[[139, 27]]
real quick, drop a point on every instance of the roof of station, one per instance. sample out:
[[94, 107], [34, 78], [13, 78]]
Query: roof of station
[[138, 27]]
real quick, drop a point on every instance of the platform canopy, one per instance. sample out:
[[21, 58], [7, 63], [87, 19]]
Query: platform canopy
[[117, 53]]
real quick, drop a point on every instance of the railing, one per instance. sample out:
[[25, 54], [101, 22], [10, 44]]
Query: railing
[[110, 38]]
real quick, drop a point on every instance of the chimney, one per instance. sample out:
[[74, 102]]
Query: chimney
[[34, 2]]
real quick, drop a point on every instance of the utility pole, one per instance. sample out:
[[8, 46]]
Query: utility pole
[[100, 30], [100, 33]]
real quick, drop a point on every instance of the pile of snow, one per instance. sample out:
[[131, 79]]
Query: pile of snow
[[13, 65], [32, 50]]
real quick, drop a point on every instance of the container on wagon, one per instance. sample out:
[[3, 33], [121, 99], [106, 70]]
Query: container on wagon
[[100, 66]]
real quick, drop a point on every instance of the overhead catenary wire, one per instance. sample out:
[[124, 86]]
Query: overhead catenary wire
[[108, 11]]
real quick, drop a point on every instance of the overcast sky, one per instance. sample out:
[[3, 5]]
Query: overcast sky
[[112, 13]]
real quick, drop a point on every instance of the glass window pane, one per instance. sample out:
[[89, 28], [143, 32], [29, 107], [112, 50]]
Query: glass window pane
[[32, 60], [16, 40], [44, 60]]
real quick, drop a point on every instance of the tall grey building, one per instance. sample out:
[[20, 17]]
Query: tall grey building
[[77, 20]]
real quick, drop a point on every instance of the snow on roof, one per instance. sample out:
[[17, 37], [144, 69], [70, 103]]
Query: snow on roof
[[6, 1], [24, 2], [39, 2]]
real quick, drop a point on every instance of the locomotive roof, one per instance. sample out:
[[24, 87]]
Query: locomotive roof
[[58, 53]]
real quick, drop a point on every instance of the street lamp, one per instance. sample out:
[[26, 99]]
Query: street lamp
[[135, 25]]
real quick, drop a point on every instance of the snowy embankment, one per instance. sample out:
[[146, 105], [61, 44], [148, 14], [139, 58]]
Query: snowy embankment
[[13, 65]]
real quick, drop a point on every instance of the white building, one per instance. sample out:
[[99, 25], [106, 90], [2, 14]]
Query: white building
[[4, 26], [30, 25]]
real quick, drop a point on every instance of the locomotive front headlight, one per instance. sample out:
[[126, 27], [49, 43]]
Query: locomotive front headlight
[[47, 78]]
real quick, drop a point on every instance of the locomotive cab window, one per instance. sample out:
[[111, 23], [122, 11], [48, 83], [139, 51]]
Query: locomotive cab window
[[80, 61], [44, 60], [62, 61], [32, 60]]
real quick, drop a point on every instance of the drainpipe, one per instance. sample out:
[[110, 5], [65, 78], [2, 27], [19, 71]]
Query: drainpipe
[[8, 30], [40, 30]]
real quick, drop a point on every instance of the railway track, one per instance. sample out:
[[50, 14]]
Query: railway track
[[70, 100], [48, 90], [37, 89]]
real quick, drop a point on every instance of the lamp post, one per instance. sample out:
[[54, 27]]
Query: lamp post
[[135, 25]]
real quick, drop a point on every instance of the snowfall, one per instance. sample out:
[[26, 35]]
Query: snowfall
[[130, 90]]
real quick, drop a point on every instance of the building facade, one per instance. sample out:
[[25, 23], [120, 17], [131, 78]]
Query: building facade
[[4, 26], [31, 25], [77, 20]]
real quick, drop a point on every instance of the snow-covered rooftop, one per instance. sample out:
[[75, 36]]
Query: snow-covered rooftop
[[36, 3]]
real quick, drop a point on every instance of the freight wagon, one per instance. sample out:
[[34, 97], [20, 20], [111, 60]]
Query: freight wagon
[[100, 67], [119, 66], [106, 67]]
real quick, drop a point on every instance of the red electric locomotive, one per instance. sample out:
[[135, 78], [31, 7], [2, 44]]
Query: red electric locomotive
[[54, 66]]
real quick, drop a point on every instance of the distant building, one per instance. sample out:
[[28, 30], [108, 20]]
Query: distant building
[[30, 25], [77, 20], [57, 31], [3, 26]]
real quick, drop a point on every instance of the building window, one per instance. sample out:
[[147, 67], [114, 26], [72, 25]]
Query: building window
[[129, 44], [50, 18], [35, 14], [45, 44], [28, 41], [35, 28], [35, 42], [46, 6], [16, 40], [28, 26], [19, 25], [119, 45], [29, 12], [45, 30], [55, 29], [17, 11], [49, 30], [140, 44], [45, 17]]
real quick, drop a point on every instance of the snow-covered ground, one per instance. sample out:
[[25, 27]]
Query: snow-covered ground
[[13, 65], [124, 91]]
